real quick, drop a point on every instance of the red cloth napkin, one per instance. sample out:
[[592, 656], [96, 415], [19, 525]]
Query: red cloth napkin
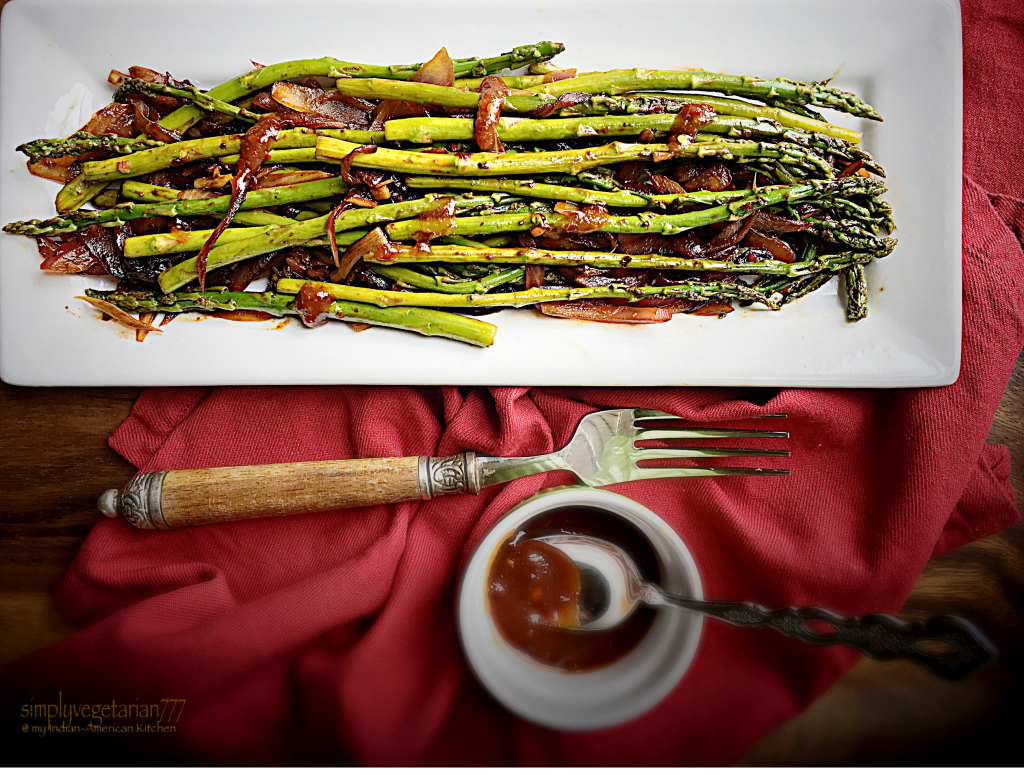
[[331, 638]]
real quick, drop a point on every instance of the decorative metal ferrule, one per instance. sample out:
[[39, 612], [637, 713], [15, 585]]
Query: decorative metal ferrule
[[138, 503], [453, 475]]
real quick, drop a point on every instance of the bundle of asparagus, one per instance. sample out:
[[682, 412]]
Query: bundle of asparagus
[[389, 195]]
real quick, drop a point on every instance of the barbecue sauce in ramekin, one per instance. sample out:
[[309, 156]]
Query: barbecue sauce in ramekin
[[530, 583]]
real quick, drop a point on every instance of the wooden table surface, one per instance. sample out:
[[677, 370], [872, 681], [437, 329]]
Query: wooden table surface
[[54, 461]]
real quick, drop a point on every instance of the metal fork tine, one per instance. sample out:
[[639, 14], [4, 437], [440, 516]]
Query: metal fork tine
[[604, 450], [674, 472], [664, 453], [653, 414], [643, 434]]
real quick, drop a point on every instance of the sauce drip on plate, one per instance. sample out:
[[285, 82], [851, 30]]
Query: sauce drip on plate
[[533, 592]]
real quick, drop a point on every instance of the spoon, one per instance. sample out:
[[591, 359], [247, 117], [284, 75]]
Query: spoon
[[611, 587]]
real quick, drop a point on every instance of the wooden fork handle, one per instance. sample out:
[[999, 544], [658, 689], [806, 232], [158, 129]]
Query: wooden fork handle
[[170, 499]]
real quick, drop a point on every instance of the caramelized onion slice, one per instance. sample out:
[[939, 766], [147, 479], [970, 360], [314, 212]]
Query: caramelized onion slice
[[303, 262], [102, 244], [732, 234], [644, 244], [119, 315], [314, 100], [68, 258], [440, 70], [390, 109], [534, 276], [301, 98], [673, 305], [58, 170], [253, 269], [356, 198], [374, 245], [559, 75], [152, 76], [632, 175], [90, 252], [145, 74], [717, 177], [582, 219], [312, 304], [147, 122], [777, 224], [288, 177], [605, 313], [147, 318], [493, 92], [691, 118], [851, 169], [685, 127], [264, 101], [780, 250], [332, 238], [346, 164], [713, 309], [687, 245], [556, 239], [116, 118], [686, 170], [663, 184], [214, 181], [566, 100]]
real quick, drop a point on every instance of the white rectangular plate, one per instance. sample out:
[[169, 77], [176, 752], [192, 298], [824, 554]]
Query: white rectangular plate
[[904, 58]]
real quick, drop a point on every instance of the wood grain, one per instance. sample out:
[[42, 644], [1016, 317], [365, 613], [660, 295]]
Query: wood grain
[[206, 495], [897, 712], [54, 459]]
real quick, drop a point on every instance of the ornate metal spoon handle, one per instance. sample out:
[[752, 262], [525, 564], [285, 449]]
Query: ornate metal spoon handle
[[949, 646]]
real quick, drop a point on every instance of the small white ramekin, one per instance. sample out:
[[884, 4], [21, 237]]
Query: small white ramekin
[[593, 699]]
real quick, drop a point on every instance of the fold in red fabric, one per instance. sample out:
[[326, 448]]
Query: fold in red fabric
[[331, 638]]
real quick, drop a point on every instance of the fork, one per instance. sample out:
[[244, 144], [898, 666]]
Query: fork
[[604, 450]]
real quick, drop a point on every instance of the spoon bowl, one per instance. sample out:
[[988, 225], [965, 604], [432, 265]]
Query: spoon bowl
[[610, 583]]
